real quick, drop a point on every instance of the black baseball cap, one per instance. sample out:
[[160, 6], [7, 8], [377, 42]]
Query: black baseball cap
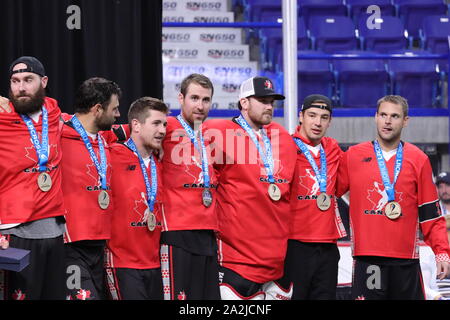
[[317, 101], [443, 177], [33, 65], [259, 87]]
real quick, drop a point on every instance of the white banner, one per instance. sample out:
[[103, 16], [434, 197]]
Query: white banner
[[205, 52], [195, 36], [212, 17], [182, 6], [219, 73]]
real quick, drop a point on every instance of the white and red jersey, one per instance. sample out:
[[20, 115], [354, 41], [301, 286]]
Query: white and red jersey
[[132, 244], [253, 228], [81, 185], [184, 183], [21, 200], [373, 233], [310, 224]]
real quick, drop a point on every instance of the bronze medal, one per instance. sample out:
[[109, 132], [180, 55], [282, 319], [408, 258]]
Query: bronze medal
[[151, 220], [207, 197], [44, 181], [323, 201], [393, 210], [103, 199], [274, 192]]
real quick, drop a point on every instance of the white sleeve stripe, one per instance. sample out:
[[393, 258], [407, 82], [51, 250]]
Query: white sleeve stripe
[[431, 219]]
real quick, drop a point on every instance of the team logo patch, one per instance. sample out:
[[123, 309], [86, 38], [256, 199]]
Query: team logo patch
[[268, 85], [18, 295], [181, 296], [83, 294]]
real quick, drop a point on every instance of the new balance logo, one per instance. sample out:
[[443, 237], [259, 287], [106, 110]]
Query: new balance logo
[[367, 159], [131, 167]]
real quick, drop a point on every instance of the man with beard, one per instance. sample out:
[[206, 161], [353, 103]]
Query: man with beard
[[255, 160], [443, 185], [188, 240], [31, 199], [392, 195], [86, 187]]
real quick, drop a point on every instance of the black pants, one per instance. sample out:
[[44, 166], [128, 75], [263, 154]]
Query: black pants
[[135, 284], [84, 271], [44, 277], [188, 276], [313, 269], [377, 278]]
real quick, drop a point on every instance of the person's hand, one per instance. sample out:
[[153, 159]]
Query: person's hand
[[4, 105], [4, 244], [442, 269]]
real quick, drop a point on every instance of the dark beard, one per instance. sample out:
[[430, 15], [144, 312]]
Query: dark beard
[[32, 105], [103, 125]]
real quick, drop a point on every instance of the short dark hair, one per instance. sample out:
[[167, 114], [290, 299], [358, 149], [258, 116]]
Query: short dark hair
[[199, 79], [139, 108], [95, 91]]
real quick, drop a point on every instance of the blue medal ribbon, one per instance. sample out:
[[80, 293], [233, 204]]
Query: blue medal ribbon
[[102, 165], [320, 175], [201, 148], [266, 158], [41, 147], [152, 189], [388, 186]]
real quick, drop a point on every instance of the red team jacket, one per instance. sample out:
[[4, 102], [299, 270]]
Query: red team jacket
[[373, 233], [253, 228], [85, 220], [310, 224], [183, 180], [21, 200], [132, 245]]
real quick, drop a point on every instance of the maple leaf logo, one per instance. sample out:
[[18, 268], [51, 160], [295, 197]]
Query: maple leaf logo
[[18, 295], [379, 198], [141, 208], [30, 153], [83, 294], [309, 182], [93, 174]]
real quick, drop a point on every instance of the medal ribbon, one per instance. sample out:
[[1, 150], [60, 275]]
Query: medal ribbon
[[388, 186], [320, 175], [102, 165], [152, 189], [201, 148], [40, 147], [267, 157]]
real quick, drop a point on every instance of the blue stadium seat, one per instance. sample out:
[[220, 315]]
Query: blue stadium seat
[[358, 8], [418, 84], [320, 8], [412, 12], [361, 82], [434, 37], [262, 10], [333, 34], [388, 37], [314, 76], [271, 43], [434, 33]]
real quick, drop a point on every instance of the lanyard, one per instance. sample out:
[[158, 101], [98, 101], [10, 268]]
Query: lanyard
[[267, 157], [40, 147], [388, 186], [102, 165], [152, 189], [201, 148], [320, 175]]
